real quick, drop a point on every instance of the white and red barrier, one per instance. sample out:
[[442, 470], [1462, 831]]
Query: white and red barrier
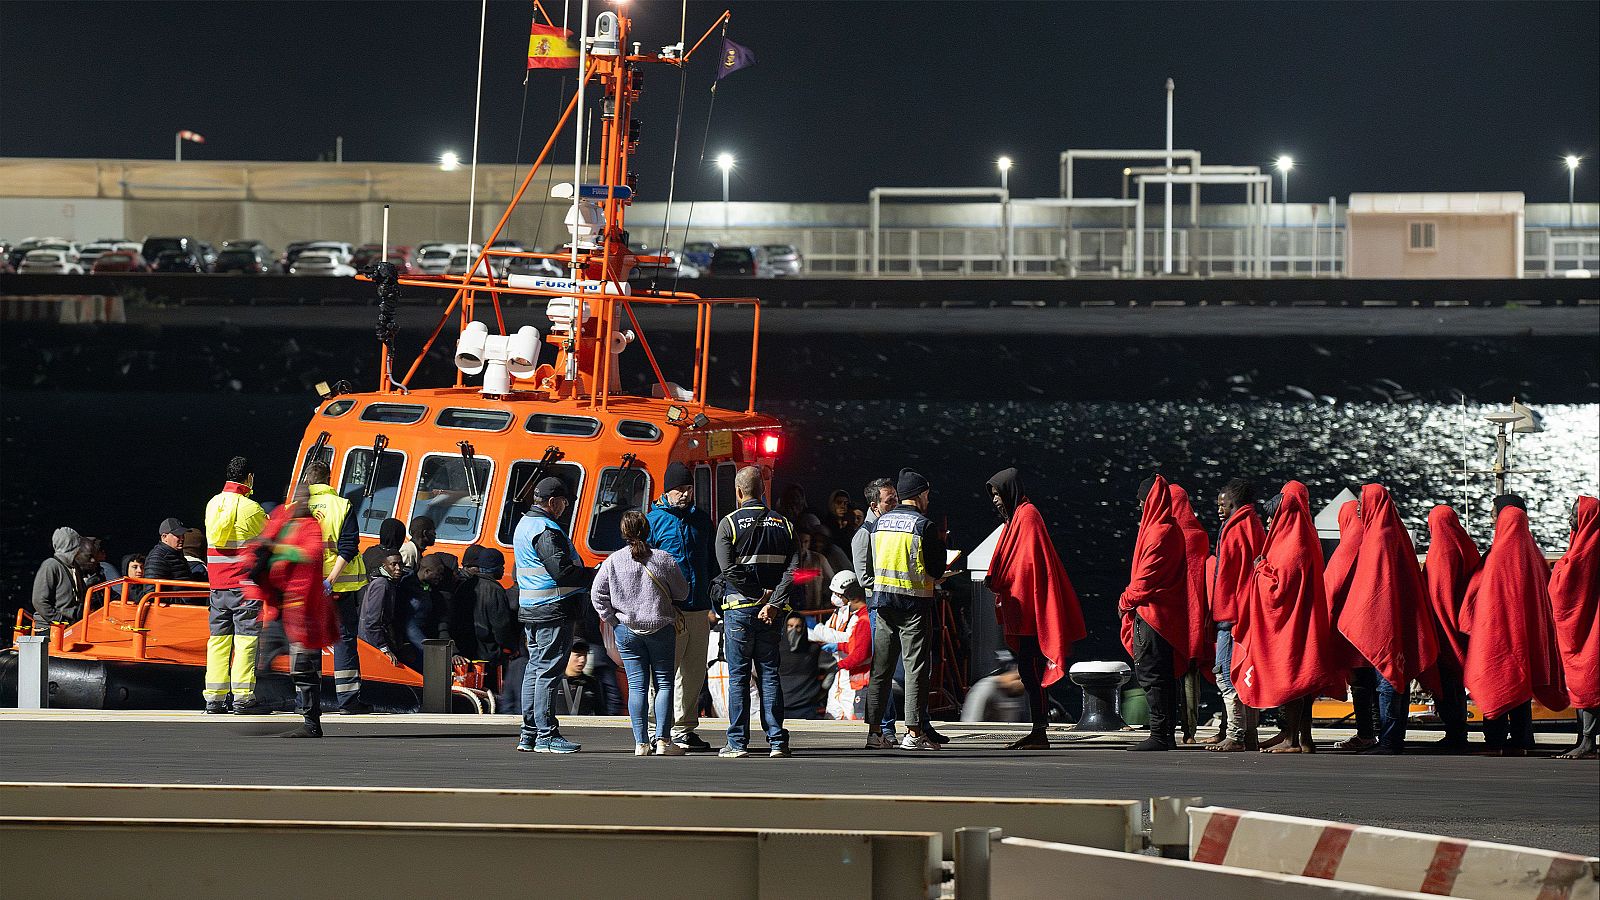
[[1384, 857]]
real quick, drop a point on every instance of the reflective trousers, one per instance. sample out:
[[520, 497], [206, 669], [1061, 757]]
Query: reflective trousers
[[346, 661], [231, 647]]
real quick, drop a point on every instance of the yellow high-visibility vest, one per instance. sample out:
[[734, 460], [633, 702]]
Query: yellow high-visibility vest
[[330, 510]]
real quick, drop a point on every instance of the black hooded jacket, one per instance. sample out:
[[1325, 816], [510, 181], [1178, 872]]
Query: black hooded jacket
[[1007, 484], [494, 614]]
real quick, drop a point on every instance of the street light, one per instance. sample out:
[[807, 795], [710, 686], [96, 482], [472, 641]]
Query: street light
[[449, 161], [725, 163], [1004, 165], [1572, 182], [1283, 164]]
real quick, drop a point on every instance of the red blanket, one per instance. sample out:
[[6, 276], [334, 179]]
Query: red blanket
[[1386, 615], [1033, 595], [1512, 655], [1237, 548], [1283, 638], [1158, 585], [294, 589], [1202, 649], [1575, 600], [1452, 561]]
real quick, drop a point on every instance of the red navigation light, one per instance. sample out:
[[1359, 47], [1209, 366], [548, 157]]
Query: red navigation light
[[771, 443]]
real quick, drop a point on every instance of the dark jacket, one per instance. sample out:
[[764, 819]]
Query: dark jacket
[[685, 535], [57, 587], [379, 627], [167, 563], [494, 615], [765, 536]]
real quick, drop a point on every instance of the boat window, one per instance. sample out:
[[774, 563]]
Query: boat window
[[566, 426], [512, 511], [725, 498], [635, 430], [325, 455], [477, 419], [338, 408], [370, 509], [452, 495], [702, 487], [620, 490], [393, 413]]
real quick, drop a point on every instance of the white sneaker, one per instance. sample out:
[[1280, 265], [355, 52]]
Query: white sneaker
[[668, 748], [917, 742], [641, 749]]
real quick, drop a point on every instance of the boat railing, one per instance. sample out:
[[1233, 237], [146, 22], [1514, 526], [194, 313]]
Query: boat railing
[[120, 616]]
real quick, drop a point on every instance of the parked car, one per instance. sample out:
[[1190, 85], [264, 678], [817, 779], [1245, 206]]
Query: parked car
[[153, 247], [24, 247], [544, 268], [120, 261], [698, 254], [316, 263], [741, 262], [785, 260], [435, 259], [92, 250], [399, 257], [676, 268], [246, 244], [179, 262], [461, 259], [334, 248], [291, 253], [254, 259], [51, 261]]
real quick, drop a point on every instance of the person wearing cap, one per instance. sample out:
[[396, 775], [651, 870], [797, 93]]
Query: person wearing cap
[[683, 531], [756, 551], [908, 558], [165, 561], [346, 574], [551, 585], [232, 521]]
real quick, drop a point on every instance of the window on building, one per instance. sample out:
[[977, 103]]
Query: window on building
[[620, 490], [1421, 237], [371, 508], [452, 495], [513, 510]]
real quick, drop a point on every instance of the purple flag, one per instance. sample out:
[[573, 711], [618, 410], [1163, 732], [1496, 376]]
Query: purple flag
[[734, 57]]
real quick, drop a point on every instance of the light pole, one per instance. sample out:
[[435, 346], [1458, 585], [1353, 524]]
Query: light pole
[[1283, 164], [177, 143], [1572, 183], [725, 163], [1004, 165]]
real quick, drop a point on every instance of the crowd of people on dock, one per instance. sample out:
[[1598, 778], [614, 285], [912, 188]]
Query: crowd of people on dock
[[831, 614]]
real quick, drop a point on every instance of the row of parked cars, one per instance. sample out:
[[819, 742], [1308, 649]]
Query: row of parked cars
[[59, 256]]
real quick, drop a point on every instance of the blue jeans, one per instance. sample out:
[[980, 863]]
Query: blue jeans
[[747, 641], [648, 659], [548, 644], [1394, 709]]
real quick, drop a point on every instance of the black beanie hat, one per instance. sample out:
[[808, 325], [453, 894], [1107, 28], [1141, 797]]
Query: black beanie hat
[[677, 476], [910, 484]]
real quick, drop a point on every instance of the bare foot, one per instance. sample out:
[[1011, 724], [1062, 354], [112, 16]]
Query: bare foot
[[1227, 745], [1284, 748], [1275, 740], [1584, 750]]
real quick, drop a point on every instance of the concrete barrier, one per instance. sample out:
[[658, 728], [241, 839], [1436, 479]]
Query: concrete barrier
[[1403, 860], [136, 858], [1023, 869], [1108, 824]]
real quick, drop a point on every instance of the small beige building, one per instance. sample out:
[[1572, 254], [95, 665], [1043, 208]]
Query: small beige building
[[1445, 235]]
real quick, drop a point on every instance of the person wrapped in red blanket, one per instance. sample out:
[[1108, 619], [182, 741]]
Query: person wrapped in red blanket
[[1155, 609], [1575, 600], [1202, 649], [1511, 650], [286, 576], [1238, 545], [1283, 651], [1034, 601], [1386, 616], [1452, 561]]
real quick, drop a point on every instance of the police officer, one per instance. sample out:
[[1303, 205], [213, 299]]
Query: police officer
[[346, 575], [756, 551], [907, 562], [551, 585], [232, 520]]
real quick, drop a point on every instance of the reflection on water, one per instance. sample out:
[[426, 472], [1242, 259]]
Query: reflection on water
[[131, 463]]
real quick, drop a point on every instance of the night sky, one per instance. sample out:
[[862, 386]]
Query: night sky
[[845, 95]]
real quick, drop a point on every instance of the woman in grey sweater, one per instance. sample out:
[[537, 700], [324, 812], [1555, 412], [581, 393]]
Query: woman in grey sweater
[[637, 592]]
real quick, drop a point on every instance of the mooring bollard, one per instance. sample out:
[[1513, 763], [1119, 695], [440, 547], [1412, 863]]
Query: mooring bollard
[[33, 672], [436, 675], [972, 861]]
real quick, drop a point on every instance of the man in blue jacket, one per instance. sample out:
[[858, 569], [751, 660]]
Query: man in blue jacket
[[551, 583], [683, 531]]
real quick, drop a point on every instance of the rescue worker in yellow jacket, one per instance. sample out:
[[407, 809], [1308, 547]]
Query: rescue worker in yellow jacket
[[346, 575], [232, 521]]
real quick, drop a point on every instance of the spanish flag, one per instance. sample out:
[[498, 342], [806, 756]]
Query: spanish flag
[[550, 47]]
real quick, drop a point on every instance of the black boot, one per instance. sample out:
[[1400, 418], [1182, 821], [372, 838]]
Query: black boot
[[311, 728], [1037, 739], [1153, 742]]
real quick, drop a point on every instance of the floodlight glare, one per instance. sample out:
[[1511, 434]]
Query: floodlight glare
[[1004, 163], [449, 161], [1572, 162], [1284, 163], [725, 161]]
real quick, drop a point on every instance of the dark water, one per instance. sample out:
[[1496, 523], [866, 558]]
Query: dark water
[[114, 465]]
